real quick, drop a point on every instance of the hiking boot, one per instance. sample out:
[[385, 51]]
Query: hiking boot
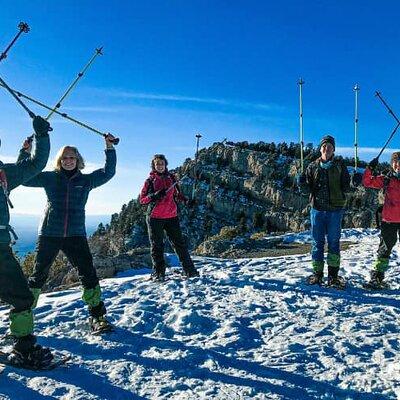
[[37, 357], [337, 282], [191, 273], [334, 279], [316, 278], [376, 280], [157, 276], [100, 324]]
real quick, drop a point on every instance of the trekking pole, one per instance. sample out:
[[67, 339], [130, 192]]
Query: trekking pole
[[12, 92], [23, 28], [301, 83], [198, 136], [64, 115], [356, 90], [377, 94], [73, 84]]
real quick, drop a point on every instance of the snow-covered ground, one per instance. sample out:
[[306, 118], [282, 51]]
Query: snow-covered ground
[[246, 329]]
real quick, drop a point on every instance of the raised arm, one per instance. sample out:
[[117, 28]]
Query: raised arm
[[30, 165], [103, 175], [371, 181]]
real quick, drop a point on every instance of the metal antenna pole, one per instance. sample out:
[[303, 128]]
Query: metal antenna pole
[[301, 83], [356, 90], [198, 136]]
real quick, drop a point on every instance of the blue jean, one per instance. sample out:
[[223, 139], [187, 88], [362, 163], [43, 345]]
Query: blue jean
[[329, 224]]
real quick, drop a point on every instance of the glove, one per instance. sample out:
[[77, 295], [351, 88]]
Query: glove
[[301, 179], [356, 179], [41, 126], [373, 163], [158, 195]]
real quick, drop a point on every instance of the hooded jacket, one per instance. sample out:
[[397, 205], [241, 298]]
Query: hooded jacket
[[64, 214], [167, 206], [391, 205]]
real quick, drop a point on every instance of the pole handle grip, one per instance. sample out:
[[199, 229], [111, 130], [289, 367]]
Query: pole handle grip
[[115, 141]]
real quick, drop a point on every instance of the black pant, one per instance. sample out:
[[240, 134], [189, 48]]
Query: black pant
[[156, 228], [76, 249], [389, 234], [14, 288]]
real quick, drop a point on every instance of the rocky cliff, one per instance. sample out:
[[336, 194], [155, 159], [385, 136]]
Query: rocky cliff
[[248, 186]]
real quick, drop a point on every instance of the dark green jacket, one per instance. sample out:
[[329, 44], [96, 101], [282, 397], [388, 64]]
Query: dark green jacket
[[20, 173], [64, 214], [327, 187]]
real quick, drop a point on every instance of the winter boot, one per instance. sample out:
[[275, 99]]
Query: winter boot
[[316, 278], [100, 325], [27, 354], [376, 280], [334, 279], [191, 272], [157, 276]]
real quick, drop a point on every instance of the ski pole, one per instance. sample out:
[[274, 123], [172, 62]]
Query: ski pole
[[23, 105], [390, 138], [23, 28], [301, 83], [73, 84], [198, 136], [64, 115], [377, 94], [356, 90]]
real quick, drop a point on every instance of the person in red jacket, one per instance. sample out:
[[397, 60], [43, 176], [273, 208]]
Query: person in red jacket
[[161, 193], [390, 224]]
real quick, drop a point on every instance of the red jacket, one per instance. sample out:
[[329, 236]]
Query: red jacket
[[391, 206], [167, 206]]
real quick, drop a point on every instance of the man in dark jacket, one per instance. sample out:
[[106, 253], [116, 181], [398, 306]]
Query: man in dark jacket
[[14, 289], [327, 181]]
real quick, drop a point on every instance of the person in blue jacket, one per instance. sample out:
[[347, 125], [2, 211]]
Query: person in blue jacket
[[63, 224]]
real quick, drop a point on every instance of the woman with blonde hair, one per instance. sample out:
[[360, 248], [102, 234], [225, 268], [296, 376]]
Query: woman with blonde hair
[[63, 224]]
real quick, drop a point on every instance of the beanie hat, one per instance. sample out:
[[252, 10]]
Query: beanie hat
[[327, 139]]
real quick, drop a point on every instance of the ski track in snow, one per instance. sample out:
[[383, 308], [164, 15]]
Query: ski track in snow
[[246, 329]]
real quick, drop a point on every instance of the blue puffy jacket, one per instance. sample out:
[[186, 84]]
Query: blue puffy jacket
[[67, 196]]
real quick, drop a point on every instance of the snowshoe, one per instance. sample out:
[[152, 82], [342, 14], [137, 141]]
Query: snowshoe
[[316, 278], [336, 282], [99, 325], [37, 359], [376, 281], [376, 286]]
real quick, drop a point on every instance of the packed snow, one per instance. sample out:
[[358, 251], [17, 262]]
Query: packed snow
[[246, 329]]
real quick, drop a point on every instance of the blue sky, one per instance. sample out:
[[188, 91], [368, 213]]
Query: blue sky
[[174, 68]]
